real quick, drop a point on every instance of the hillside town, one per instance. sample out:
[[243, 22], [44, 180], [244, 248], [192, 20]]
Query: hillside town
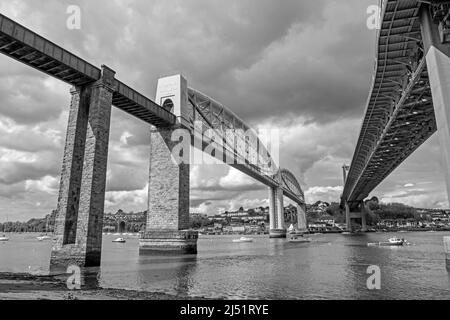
[[322, 217]]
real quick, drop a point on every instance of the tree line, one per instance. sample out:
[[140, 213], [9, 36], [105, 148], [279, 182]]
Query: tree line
[[377, 211]]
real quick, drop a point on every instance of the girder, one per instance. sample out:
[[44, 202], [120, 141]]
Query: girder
[[26, 46]]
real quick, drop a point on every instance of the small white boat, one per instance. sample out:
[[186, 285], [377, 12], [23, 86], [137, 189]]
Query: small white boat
[[391, 242], [119, 240], [243, 239], [4, 238], [396, 241], [296, 239], [44, 238]]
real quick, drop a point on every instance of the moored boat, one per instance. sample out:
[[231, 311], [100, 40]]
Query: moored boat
[[392, 242], [4, 238], [243, 239], [299, 239], [44, 238], [396, 241], [119, 240]]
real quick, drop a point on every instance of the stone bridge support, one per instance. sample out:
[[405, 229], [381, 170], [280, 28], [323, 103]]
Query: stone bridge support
[[302, 223], [276, 213], [437, 53], [168, 191], [79, 219]]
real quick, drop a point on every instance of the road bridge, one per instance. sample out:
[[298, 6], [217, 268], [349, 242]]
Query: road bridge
[[409, 99]]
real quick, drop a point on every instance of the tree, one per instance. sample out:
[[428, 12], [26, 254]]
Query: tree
[[334, 210]]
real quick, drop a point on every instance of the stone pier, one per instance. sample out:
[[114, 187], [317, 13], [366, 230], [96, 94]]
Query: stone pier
[[79, 219], [168, 190], [302, 223], [276, 209]]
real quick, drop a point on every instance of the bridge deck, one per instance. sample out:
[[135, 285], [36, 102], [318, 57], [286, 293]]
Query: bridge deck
[[37, 52], [399, 114]]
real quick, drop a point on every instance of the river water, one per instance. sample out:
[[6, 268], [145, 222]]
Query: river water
[[331, 267]]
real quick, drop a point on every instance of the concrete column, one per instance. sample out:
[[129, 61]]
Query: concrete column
[[81, 200], [363, 217], [447, 252], [168, 199], [301, 218], [438, 65], [280, 230], [348, 219]]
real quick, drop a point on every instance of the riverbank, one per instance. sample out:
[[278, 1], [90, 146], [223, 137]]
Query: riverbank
[[33, 287]]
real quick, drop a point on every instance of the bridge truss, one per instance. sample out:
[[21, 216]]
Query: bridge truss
[[248, 152], [399, 113]]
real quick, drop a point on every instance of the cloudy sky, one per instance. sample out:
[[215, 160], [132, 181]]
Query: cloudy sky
[[301, 66]]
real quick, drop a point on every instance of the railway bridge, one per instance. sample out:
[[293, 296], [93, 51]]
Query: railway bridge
[[179, 111]]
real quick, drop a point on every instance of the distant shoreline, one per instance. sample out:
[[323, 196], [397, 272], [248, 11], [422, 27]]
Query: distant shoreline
[[218, 233]]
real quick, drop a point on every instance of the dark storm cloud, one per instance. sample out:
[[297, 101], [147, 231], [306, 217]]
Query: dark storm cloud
[[304, 66], [12, 172], [206, 40], [26, 100]]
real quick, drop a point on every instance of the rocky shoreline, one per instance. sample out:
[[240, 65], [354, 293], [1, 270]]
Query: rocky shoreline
[[33, 287]]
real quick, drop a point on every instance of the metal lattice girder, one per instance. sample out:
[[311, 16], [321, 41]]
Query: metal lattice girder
[[291, 184], [215, 116], [26, 46], [399, 114]]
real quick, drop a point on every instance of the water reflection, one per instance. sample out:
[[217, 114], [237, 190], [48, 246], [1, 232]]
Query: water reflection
[[175, 271]]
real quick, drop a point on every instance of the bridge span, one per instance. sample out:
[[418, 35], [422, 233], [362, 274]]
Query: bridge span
[[78, 226], [409, 99]]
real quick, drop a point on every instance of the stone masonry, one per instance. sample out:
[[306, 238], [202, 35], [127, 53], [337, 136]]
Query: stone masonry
[[79, 219], [168, 200], [277, 226], [168, 195], [301, 218]]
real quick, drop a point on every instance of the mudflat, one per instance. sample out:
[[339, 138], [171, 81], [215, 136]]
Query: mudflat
[[33, 287]]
